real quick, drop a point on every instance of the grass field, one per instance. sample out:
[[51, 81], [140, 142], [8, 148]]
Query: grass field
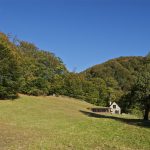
[[51, 123]]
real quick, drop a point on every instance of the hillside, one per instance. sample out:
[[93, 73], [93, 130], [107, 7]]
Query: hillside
[[39, 72], [64, 123], [112, 80], [123, 70], [34, 71]]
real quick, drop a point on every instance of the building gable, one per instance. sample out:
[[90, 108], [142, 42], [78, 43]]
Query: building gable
[[115, 108]]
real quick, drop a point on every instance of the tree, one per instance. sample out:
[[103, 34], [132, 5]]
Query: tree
[[41, 71], [140, 92], [100, 87], [73, 85], [9, 68]]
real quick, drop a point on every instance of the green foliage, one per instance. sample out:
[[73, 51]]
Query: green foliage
[[118, 76], [73, 85], [9, 68], [29, 70], [136, 110], [142, 92], [122, 69], [41, 71], [139, 94], [94, 90]]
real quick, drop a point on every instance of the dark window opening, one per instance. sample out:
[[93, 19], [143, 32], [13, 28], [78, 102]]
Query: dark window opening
[[116, 111], [114, 106]]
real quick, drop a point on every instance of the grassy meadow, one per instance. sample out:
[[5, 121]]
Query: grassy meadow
[[60, 123]]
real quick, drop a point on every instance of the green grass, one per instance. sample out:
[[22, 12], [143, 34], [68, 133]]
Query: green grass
[[51, 123]]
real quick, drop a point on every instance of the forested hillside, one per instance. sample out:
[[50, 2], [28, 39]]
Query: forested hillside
[[125, 80], [26, 69], [29, 70], [41, 71], [123, 70], [118, 75], [106, 82]]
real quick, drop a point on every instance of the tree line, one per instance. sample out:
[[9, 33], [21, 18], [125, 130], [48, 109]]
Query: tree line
[[29, 70]]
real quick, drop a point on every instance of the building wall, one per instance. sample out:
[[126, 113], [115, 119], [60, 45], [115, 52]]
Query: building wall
[[115, 110]]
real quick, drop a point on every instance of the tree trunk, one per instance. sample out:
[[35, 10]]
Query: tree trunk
[[147, 108]]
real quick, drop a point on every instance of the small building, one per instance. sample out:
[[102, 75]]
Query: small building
[[115, 109]]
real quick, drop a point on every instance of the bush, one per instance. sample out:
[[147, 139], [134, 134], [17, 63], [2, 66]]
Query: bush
[[136, 111]]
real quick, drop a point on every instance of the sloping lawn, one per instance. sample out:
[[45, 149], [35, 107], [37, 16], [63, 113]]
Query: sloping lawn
[[51, 123]]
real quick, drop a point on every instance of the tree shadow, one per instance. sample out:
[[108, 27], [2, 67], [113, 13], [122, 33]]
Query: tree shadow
[[136, 122]]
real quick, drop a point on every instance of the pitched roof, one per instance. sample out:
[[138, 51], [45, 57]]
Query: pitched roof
[[114, 103]]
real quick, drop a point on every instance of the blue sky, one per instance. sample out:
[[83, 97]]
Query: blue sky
[[81, 32]]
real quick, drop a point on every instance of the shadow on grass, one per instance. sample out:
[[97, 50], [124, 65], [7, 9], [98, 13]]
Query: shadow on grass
[[136, 122]]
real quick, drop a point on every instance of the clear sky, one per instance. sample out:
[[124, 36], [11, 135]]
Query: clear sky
[[81, 32]]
